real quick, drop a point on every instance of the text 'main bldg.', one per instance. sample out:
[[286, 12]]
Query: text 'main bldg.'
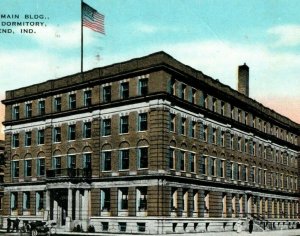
[[148, 145]]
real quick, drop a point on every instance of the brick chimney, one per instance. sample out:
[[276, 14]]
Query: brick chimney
[[243, 79]]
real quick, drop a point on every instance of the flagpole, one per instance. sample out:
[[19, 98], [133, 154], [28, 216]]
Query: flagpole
[[81, 37]]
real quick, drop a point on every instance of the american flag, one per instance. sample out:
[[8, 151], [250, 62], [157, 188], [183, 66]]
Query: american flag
[[92, 19]]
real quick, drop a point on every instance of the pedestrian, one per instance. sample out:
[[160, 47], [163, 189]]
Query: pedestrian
[[239, 226], [8, 225], [16, 224], [251, 225]]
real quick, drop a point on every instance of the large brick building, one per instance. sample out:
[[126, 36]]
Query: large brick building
[[148, 145]]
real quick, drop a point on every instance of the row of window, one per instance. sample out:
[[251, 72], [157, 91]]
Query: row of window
[[239, 205], [40, 135], [217, 136], [106, 162], [209, 102], [87, 99], [56, 165], [26, 197], [215, 167], [87, 131]]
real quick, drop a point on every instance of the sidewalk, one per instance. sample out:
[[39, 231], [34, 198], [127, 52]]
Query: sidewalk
[[291, 232]]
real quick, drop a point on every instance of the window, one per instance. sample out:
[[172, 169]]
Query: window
[[39, 200], [193, 129], [203, 165], [141, 198], [106, 161], [220, 168], [71, 132], [87, 98], [41, 167], [87, 130], [232, 142], [172, 86], [106, 127], [205, 133], [105, 226], [26, 200], [28, 138], [72, 101], [57, 134], [183, 126], [172, 122], [192, 162], [141, 227], [193, 98], [28, 110], [124, 90], [173, 199], [246, 146], [15, 169], [253, 149], [214, 105], [143, 87], [123, 199], [124, 159], [105, 199], [240, 115], [232, 113], [183, 90], [171, 158], [239, 144], [211, 166], [222, 108], [123, 124], [142, 122], [41, 107], [15, 140], [57, 104], [122, 226], [27, 168], [107, 94], [182, 160], [41, 137], [16, 112], [87, 161], [214, 137], [222, 138], [72, 161], [14, 201], [57, 163], [143, 157]]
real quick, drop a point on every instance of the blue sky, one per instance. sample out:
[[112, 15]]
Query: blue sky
[[213, 36]]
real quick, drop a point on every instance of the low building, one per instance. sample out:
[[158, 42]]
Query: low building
[[148, 145]]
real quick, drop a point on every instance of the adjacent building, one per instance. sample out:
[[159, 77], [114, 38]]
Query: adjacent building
[[148, 145]]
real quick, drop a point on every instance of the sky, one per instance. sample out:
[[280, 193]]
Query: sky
[[213, 36]]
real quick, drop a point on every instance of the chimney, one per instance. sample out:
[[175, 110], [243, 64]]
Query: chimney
[[243, 79]]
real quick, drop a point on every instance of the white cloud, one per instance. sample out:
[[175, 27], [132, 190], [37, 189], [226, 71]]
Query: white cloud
[[287, 35], [150, 29], [145, 28]]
